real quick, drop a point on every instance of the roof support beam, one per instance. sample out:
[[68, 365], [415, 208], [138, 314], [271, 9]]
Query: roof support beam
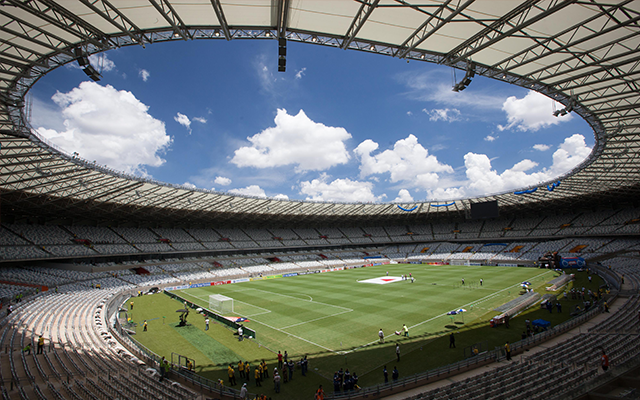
[[170, 15], [111, 14], [430, 26], [514, 21], [366, 8], [554, 44], [58, 16], [34, 34], [581, 61], [283, 17], [217, 7]]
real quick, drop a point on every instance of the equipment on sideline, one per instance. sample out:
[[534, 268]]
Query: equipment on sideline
[[220, 303]]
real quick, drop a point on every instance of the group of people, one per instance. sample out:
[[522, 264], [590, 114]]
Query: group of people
[[394, 374], [27, 348], [260, 372], [283, 373], [345, 381]]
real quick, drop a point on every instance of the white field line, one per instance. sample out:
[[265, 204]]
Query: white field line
[[296, 298], [280, 330], [441, 315], [265, 311], [316, 319]]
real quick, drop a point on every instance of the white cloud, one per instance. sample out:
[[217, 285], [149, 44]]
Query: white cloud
[[265, 76], [443, 114], [409, 113], [199, 119], [222, 181], [295, 140], [109, 126], [189, 185], [403, 197], [46, 114], [408, 162], [482, 179], [447, 193], [144, 74], [338, 190], [300, 73], [431, 86], [251, 190], [100, 62], [281, 197], [569, 154], [541, 147], [490, 138], [183, 120], [532, 112]]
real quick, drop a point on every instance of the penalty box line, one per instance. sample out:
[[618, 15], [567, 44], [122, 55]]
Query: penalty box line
[[297, 298], [276, 329], [266, 311], [345, 309], [483, 299]]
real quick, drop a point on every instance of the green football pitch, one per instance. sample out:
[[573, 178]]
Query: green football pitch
[[334, 318], [337, 312]]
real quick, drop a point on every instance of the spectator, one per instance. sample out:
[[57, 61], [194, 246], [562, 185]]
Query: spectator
[[395, 374], [232, 375], [276, 382], [319, 394], [604, 361], [40, 344], [243, 391], [507, 350]]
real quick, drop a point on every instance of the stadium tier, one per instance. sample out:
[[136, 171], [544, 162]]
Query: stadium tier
[[70, 226]]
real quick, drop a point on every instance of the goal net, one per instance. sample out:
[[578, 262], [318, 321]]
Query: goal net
[[220, 303]]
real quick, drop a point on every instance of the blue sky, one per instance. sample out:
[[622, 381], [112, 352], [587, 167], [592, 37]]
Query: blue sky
[[337, 126]]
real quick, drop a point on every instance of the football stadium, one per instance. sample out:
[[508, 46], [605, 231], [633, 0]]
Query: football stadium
[[117, 285]]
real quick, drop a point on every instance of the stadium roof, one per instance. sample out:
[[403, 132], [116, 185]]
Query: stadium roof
[[583, 54]]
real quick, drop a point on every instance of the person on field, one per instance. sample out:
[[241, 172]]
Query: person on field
[[241, 369], [232, 375], [276, 382], [257, 375], [381, 336], [243, 391]]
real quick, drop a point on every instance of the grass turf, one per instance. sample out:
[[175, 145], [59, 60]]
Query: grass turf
[[335, 319]]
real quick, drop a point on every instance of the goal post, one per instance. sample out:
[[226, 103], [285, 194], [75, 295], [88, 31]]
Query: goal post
[[220, 303]]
